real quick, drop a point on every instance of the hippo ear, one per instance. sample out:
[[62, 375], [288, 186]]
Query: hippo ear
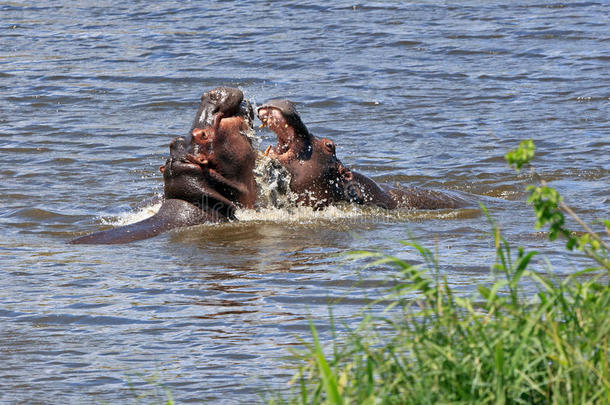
[[330, 146]]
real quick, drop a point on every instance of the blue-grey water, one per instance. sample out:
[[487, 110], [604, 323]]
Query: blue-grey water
[[429, 94]]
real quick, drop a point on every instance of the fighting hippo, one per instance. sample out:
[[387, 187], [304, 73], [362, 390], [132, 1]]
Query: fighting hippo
[[316, 172], [208, 174], [216, 162]]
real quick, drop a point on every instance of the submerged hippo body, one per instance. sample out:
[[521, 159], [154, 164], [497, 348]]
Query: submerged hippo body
[[360, 189], [173, 213], [317, 172], [208, 175]]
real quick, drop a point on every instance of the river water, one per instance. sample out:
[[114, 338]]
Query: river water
[[428, 94]]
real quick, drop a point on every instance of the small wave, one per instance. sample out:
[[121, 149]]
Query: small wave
[[345, 213], [298, 214], [130, 217], [286, 215], [303, 215]]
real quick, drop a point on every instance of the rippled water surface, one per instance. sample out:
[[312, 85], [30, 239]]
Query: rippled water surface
[[430, 94]]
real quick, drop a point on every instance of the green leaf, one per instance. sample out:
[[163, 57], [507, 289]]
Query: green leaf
[[328, 377], [522, 155], [521, 265]]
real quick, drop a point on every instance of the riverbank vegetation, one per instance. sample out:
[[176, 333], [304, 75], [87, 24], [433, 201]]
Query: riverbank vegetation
[[500, 345]]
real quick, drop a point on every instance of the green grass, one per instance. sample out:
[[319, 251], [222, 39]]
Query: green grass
[[497, 346]]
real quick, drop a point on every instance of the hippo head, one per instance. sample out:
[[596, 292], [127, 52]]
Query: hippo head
[[281, 117], [213, 166], [317, 176], [218, 103]]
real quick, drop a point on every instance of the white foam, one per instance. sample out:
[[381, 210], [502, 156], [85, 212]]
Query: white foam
[[298, 214], [344, 214], [130, 217]]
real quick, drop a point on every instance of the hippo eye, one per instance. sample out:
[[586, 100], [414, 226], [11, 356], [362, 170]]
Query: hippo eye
[[330, 146]]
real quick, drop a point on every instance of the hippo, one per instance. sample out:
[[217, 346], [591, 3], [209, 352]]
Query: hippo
[[208, 175], [219, 151], [317, 172]]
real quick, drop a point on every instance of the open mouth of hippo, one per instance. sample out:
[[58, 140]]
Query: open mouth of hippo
[[272, 118], [281, 117]]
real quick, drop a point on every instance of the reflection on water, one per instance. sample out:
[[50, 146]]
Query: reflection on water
[[425, 95]]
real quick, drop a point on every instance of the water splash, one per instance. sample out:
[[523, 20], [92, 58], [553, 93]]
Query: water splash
[[300, 214], [130, 217], [273, 181], [251, 134]]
